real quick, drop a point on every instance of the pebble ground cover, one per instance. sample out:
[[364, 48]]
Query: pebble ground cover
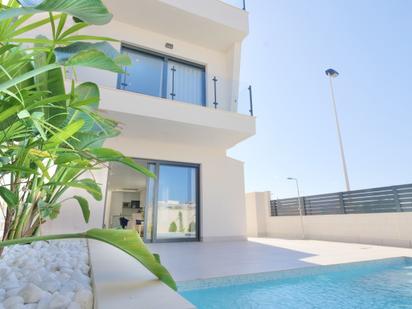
[[46, 275]]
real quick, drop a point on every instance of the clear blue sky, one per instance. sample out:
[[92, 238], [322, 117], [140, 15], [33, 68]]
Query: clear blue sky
[[291, 43]]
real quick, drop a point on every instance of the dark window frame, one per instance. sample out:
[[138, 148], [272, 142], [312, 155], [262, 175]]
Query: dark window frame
[[166, 58], [199, 208]]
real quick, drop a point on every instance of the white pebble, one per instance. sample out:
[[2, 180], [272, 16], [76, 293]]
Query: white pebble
[[44, 302], [12, 292], [31, 293], [10, 282], [37, 245], [46, 275], [13, 302], [74, 305], [84, 298], [59, 301], [50, 285]]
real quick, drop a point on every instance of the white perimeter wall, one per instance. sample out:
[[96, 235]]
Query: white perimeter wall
[[223, 212], [390, 229]]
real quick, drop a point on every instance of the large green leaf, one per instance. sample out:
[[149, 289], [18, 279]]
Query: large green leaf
[[126, 240], [91, 139], [111, 155], [64, 134], [84, 206], [52, 82], [89, 185], [66, 157], [9, 197], [90, 11], [129, 242], [106, 154], [64, 53], [30, 74], [93, 58], [88, 92], [49, 211], [137, 167], [84, 105], [11, 111], [55, 85], [32, 26]]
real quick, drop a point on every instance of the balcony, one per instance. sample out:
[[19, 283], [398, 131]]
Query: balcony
[[164, 120], [171, 78], [210, 23]]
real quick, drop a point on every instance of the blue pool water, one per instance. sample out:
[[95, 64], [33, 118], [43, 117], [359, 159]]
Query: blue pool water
[[380, 284]]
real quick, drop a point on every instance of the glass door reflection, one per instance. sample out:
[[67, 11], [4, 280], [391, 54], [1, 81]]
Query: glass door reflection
[[176, 202]]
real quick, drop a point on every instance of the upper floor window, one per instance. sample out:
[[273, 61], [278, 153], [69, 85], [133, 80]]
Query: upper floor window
[[163, 76]]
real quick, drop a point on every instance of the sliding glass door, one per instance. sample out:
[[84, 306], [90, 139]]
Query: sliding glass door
[[144, 75], [163, 76], [185, 83], [174, 201]]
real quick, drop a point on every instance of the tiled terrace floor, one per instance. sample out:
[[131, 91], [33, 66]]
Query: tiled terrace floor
[[199, 260]]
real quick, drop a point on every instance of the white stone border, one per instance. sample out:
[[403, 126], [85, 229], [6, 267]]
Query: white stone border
[[119, 281]]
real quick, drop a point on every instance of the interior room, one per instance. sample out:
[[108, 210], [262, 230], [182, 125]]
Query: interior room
[[126, 198]]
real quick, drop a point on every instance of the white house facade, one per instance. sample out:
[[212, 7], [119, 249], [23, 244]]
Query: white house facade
[[177, 106]]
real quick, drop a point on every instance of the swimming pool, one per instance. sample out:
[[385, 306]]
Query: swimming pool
[[378, 284]]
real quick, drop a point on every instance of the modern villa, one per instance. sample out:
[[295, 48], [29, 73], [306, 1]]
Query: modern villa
[[85, 226], [177, 105]]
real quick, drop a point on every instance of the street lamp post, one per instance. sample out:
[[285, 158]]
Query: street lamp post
[[299, 205], [331, 73]]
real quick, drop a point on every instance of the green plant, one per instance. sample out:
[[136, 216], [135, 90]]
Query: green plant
[[51, 137], [125, 240], [192, 227], [180, 220], [173, 227], [51, 133]]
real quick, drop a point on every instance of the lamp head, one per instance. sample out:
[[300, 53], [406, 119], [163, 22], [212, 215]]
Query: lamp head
[[331, 73]]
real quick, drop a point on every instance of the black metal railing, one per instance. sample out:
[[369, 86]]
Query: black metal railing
[[177, 89], [241, 4], [374, 200], [242, 98]]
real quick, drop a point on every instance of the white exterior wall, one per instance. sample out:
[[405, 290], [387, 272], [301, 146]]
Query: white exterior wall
[[70, 219], [222, 202], [256, 213], [160, 129]]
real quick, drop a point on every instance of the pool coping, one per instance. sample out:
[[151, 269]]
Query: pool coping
[[241, 279], [119, 281]]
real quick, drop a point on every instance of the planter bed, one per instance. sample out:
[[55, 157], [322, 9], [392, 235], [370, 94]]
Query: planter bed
[[53, 274]]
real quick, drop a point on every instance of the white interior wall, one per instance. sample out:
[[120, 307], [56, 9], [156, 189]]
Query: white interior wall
[[114, 207]]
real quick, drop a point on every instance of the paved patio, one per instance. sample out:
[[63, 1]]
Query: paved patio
[[200, 260]]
